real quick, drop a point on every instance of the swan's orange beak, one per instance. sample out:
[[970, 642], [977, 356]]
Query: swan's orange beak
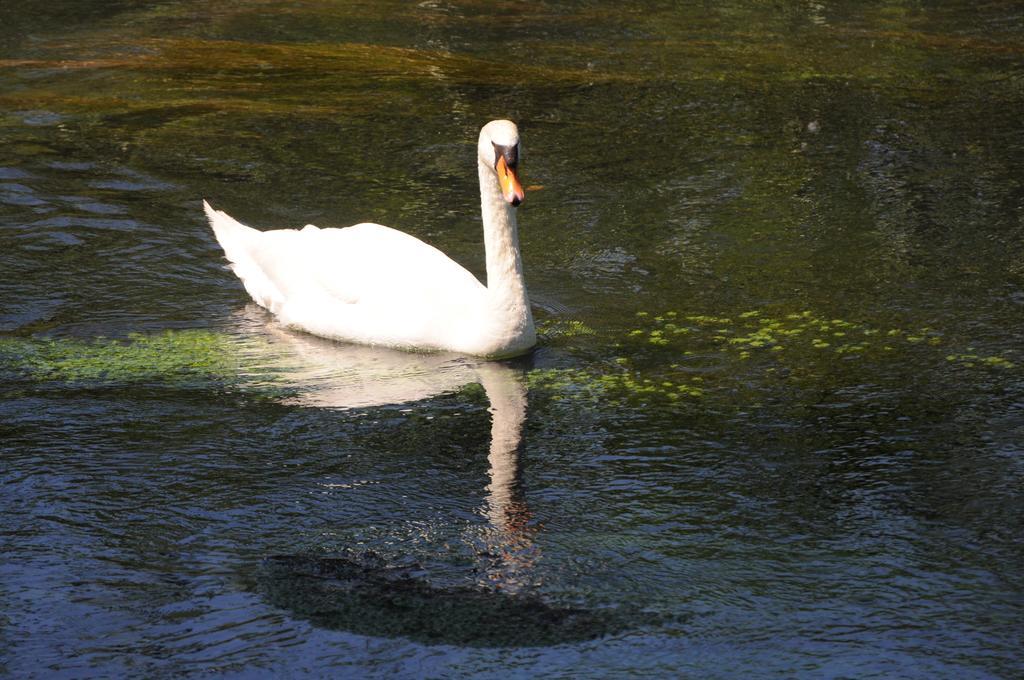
[[511, 189]]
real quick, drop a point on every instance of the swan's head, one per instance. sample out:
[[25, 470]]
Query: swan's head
[[499, 150]]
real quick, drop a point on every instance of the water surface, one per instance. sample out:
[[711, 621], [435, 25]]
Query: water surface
[[773, 426]]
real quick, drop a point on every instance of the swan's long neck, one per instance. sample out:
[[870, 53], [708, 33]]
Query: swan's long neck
[[506, 284]]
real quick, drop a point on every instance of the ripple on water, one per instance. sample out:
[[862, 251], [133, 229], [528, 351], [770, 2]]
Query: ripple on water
[[40, 118], [72, 166], [88, 223], [7, 173], [91, 205], [15, 315], [134, 181], [19, 195]]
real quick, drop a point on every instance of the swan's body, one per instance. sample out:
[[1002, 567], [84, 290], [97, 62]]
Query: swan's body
[[375, 285]]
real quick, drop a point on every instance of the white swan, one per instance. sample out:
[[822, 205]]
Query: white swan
[[374, 285]]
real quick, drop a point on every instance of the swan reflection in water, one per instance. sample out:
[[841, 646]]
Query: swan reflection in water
[[324, 374]]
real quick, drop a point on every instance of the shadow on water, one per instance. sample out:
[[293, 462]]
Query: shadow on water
[[363, 595]]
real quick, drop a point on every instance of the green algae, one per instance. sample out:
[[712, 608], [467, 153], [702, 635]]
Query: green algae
[[553, 330], [172, 357], [756, 331], [620, 386], [971, 360], [674, 357]]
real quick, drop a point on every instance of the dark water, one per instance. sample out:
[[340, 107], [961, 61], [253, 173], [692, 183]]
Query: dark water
[[774, 426]]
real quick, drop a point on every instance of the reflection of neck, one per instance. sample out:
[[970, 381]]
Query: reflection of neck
[[507, 395], [510, 543]]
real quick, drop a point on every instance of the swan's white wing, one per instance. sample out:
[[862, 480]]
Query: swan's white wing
[[366, 283], [363, 264], [370, 263]]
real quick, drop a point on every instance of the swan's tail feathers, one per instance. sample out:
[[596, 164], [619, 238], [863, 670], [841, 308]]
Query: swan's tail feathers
[[241, 246], [231, 234]]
